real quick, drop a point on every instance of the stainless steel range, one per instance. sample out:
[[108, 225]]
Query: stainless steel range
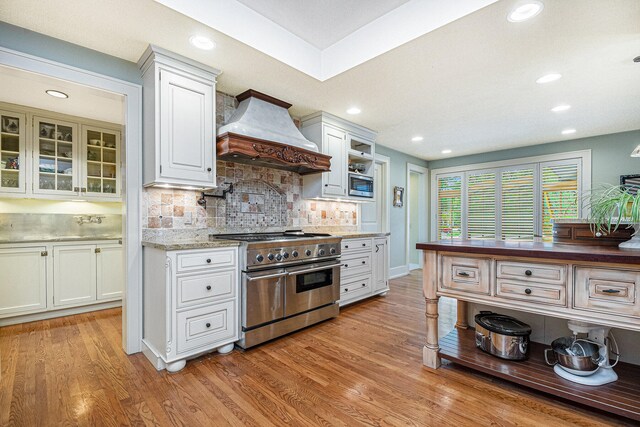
[[290, 280]]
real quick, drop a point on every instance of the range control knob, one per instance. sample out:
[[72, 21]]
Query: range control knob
[[285, 255], [321, 252], [259, 258], [295, 254], [332, 250], [307, 252], [278, 257], [270, 256]]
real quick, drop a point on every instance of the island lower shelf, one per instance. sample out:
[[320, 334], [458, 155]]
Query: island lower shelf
[[620, 397]]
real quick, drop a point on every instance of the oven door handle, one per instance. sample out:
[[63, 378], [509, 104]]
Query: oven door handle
[[311, 270], [266, 276]]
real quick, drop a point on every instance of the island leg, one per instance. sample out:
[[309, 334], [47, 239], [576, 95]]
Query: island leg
[[462, 323], [430, 356]]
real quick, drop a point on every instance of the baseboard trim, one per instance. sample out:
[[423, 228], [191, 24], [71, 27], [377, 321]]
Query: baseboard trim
[[414, 267], [153, 357], [44, 315], [400, 271]]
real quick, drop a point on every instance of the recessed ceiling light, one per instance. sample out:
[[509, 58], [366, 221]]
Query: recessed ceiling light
[[202, 42], [525, 11], [56, 93], [417, 139], [353, 110], [446, 151], [560, 108], [548, 78], [568, 131]]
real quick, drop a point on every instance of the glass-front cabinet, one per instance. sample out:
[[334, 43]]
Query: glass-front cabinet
[[55, 156], [101, 160], [12, 152]]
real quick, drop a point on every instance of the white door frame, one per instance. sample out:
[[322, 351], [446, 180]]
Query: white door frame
[[423, 177], [132, 189]]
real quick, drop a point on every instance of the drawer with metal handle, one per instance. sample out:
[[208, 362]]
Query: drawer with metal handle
[[465, 274], [532, 272], [209, 258], [535, 292], [607, 291], [200, 327], [356, 265], [355, 245], [355, 288], [204, 288]]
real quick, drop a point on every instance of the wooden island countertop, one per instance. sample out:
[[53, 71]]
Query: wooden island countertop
[[540, 250]]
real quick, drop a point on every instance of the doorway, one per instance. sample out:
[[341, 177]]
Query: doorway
[[374, 216], [416, 213]]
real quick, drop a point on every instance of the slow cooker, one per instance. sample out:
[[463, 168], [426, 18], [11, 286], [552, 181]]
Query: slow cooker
[[503, 336]]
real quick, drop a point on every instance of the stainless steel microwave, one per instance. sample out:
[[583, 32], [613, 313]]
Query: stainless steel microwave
[[360, 185]]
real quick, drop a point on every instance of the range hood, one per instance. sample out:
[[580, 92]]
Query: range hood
[[261, 133]]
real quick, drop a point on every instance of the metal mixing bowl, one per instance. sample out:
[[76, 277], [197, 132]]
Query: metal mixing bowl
[[577, 355]]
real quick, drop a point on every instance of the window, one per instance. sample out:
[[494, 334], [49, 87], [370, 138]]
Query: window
[[511, 200]]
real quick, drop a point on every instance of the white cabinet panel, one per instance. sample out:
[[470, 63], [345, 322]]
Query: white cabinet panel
[[23, 280], [12, 152], [110, 272], [335, 146], [380, 265], [55, 157], [74, 274]]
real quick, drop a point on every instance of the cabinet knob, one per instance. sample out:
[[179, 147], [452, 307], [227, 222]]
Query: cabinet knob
[[364, 262], [326, 185], [208, 287], [208, 260], [208, 325], [98, 250], [76, 189], [346, 246], [208, 169], [364, 244], [528, 273], [527, 291], [44, 253], [346, 290], [364, 284], [346, 265]]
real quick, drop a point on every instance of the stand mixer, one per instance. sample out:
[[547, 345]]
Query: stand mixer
[[585, 361]]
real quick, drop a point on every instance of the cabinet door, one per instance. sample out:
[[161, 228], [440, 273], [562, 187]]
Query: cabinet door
[[380, 264], [55, 157], [23, 285], [100, 161], [12, 152], [334, 144], [74, 275], [110, 271], [187, 133]]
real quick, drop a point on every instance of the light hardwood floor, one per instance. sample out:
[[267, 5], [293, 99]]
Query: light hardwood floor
[[363, 368]]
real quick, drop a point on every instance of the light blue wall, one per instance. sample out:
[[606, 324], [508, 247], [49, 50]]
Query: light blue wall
[[32, 43], [398, 177]]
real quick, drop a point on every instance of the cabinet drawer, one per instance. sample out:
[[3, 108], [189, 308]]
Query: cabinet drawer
[[205, 259], [355, 245], [206, 326], [535, 292], [534, 272], [356, 264], [607, 291], [206, 287], [465, 274], [355, 289]]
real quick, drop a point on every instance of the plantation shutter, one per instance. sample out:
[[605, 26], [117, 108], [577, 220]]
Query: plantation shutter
[[481, 205], [449, 210], [518, 203], [559, 193]]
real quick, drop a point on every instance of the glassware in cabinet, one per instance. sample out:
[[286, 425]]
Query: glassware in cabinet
[[12, 152], [102, 157], [55, 151]]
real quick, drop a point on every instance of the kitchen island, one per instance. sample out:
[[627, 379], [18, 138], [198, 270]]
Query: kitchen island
[[595, 284]]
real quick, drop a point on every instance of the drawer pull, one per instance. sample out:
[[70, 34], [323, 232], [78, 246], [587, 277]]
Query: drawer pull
[[364, 244], [610, 291], [527, 291], [463, 274], [208, 260], [208, 287], [364, 262], [346, 246], [346, 265], [528, 273], [208, 325], [364, 284], [346, 290]]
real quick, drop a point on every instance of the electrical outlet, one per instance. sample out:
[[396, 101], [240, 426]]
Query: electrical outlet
[[187, 218]]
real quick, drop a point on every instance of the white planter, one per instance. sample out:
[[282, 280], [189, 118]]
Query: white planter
[[634, 243]]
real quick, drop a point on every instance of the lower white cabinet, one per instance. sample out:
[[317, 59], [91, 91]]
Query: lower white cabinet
[[23, 285], [191, 304], [365, 268], [47, 277]]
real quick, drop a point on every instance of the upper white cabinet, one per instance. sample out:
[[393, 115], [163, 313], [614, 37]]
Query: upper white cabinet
[[179, 120], [100, 159], [352, 151], [12, 152], [56, 157]]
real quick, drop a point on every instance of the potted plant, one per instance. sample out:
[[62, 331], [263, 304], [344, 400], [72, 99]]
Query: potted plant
[[613, 206]]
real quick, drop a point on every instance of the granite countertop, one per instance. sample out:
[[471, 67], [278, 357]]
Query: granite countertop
[[59, 239], [356, 234], [168, 244]]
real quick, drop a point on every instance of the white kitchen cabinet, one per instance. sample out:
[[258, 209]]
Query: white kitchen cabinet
[[380, 265], [179, 120], [109, 272], [23, 285], [12, 152], [190, 304], [348, 145], [74, 275], [365, 268], [100, 173], [56, 157]]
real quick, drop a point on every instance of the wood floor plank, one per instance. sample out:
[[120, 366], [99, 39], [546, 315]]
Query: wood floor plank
[[362, 368]]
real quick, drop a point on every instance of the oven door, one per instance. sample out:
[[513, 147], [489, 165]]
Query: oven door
[[311, 286], [360, 185], [263, 297]]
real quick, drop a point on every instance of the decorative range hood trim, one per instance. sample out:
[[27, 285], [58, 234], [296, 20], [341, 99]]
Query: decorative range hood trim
[[260, 152]]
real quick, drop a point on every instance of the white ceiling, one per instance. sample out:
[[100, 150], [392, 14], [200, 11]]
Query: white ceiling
[[321, 23], [25, 88], [468, 86]]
